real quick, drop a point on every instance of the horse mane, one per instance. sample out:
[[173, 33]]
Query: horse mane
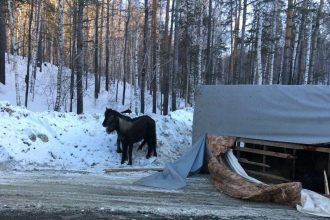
[[125, 117], [122, 116]]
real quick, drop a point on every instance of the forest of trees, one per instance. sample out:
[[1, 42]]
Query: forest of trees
[[166, 47]]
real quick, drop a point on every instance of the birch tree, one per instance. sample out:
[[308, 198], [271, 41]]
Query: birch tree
[[259, 75], [11, 10], [274, 43], [27, 77], [136, 61], [36, 43], [60, 53]]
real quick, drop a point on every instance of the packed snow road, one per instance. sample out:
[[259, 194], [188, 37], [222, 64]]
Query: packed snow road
[[67, 195]]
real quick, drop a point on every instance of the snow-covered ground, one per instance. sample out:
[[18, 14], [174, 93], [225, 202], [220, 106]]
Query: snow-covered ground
[[38, 138]]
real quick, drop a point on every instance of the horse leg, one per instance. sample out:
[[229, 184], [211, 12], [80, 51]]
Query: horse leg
[[149, 150], [130, 149], [155, 153], [124, 153], [142, 144], [118, 145]]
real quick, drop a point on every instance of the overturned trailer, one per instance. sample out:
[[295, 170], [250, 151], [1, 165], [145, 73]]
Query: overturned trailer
[[281, 133]]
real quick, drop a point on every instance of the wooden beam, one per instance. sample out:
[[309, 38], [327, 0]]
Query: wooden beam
[[246, 161], [265, 152], [113, 170], [271, 176], [286, 145], [329, 165], [326, 185]]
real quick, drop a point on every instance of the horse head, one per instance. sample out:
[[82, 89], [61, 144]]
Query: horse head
[[110, 120]]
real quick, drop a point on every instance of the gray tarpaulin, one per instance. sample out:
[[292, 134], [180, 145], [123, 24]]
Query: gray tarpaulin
[[296, 114], [174, 174]]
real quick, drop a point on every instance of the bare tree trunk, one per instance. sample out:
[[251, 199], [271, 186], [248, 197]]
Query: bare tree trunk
[[166, 53], [35, 50], [13, 44], [308, 53], [208, 68], [96, 49], [200, 45], [100, 71], [273, 50], [107, 47], [154, 54], [176, 54], [73, 52], [314, 42], [125, 67], [234, 55], [286, 72], [301, 51], [61, 54], [27, 77], [80, 57], [259, 75], [136, 63], [145, 55], [120, 48], [241, 59], [3, 42]]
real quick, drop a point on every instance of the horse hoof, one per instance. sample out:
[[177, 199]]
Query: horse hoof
[[148, 156], [118, 151]]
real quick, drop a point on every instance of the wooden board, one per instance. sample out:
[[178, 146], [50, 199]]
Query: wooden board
[[246, 161], [285, 145], [265, 152], [113, 170]]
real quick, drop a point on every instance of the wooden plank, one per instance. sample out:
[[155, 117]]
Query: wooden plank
[[329, 165], [326, 185], [113, 170], [264, 159], [293, 175], [285, 145], [271, 176], [264, 152], [244, 160]]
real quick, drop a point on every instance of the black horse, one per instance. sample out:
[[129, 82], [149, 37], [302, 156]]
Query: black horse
[[128, 111], [131, 131]]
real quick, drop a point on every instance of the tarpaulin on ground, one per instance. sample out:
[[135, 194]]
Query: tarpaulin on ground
[[174, 174]]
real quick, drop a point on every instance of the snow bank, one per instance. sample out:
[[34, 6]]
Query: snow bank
[[67, 141]]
